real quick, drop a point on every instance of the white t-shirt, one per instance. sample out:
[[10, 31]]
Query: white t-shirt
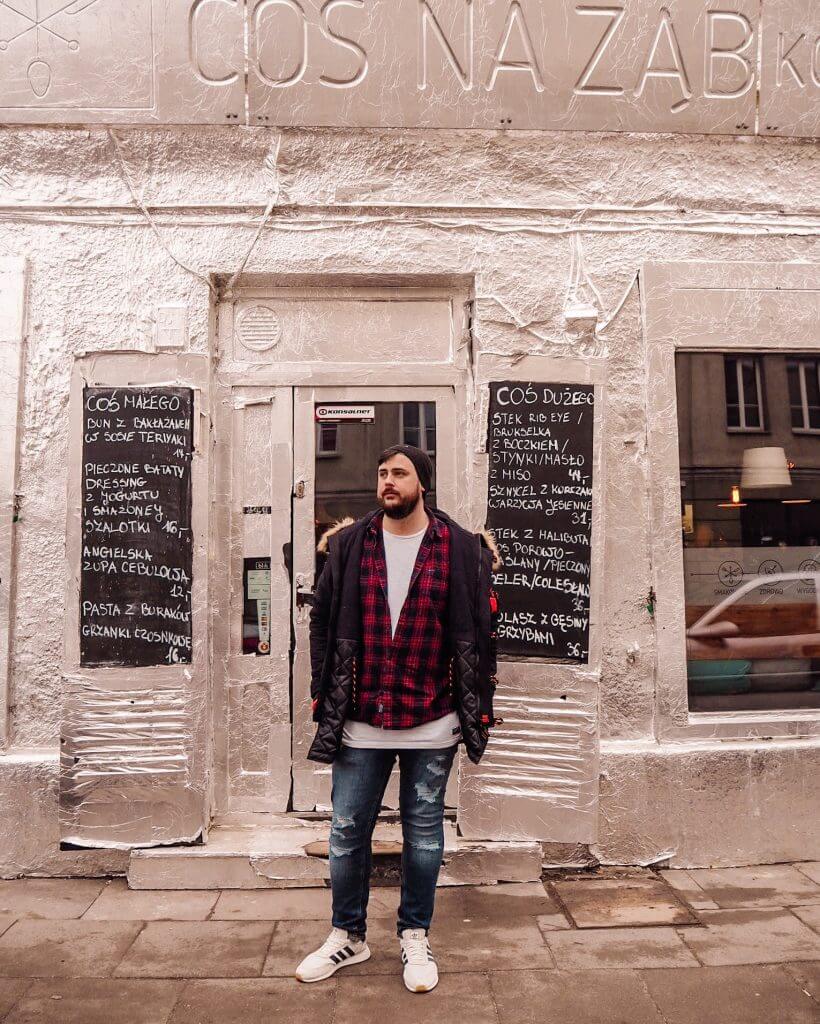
[[400, 553]]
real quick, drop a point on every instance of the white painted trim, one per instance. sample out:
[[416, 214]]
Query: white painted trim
[[13, 325]]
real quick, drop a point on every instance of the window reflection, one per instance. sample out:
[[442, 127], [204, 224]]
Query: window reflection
[[327, 438], [744, 392], [804, 393], [347, 454], [751, 529], [418, 425]]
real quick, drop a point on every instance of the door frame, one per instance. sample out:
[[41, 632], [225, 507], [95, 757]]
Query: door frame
[[240, 379]]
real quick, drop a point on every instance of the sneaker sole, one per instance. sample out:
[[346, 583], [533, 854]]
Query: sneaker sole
[[359, 958], [421, 988]]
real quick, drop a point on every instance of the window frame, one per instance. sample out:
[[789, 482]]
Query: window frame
[[720, 308], [802, 364], [422, 425], [327, 453], [743, 428]]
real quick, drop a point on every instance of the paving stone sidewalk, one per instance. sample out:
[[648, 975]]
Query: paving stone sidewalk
[[616, 946]]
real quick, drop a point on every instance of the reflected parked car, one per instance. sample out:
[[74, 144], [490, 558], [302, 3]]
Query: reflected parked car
[[763, 637]]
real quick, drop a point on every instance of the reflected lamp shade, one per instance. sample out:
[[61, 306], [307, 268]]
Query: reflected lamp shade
[[765, 467]]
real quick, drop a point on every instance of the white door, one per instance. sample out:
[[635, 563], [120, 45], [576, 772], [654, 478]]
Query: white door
[[251, 620], [338, 435]]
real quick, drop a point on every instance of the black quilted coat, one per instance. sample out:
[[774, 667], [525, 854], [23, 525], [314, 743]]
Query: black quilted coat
[[335, 634]]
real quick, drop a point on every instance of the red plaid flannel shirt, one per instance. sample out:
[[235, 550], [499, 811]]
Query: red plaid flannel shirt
[[404, 681]]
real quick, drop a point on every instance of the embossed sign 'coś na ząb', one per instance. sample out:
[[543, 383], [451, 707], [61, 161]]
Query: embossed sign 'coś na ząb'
[[539, 442], [749, 67], [137, 547]]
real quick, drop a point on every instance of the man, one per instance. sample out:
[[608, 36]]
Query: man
[[402, 644]]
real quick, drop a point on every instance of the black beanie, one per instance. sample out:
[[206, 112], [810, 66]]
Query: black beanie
[[421, 462]]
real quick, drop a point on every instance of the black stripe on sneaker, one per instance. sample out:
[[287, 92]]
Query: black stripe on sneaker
[[335, 958], [347, 951]]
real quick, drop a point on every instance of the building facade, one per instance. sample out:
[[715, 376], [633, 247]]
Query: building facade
[[228, 282]]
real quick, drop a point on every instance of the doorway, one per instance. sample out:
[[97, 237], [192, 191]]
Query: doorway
[[280, 475]]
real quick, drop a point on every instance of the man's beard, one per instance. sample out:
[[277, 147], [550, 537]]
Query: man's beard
[[404, 508]]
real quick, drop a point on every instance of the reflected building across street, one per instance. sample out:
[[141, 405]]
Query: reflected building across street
[[347, 452], [749, 439]]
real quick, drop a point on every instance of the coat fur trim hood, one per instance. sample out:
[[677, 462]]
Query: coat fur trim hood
[[342, 524], [489, 540]]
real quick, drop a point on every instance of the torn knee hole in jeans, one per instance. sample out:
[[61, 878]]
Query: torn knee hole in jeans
[[429, 794], [429, 845], [436, 769], [339, 837]]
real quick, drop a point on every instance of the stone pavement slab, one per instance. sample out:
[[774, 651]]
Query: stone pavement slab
[[730, 995], [11, 991], [583, 997], [95, 1001], [552, 922], [54, 898], [518, 899], [807, 976], [767, 885], [65, 949], [117, 902], [621, 902], [198, 949], [810, 868], [809, 916], [683, 884], [457, 997], [482, 944], [765, 936], [274, 905], [606, 948], [255, 1001]]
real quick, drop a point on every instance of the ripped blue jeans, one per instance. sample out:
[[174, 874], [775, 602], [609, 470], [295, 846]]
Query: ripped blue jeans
[[360, 778]]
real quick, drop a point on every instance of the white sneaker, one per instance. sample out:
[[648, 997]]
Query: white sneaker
[[338, 950], [420, 970]]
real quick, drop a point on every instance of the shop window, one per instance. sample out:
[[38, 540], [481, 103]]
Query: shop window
[[804, 394], [418, 425], [327, 439], [744, 392], [751, 536]]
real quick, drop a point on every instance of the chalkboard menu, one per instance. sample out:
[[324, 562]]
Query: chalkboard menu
[[137, 546], [539, 441]]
